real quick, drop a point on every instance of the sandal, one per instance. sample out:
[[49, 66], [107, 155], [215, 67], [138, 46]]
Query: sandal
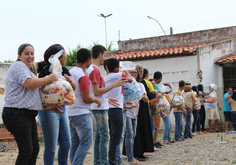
[[172, 141], [147, 154], [135, 162]]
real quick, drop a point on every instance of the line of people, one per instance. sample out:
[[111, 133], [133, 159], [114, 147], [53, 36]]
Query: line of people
[[133, 124]]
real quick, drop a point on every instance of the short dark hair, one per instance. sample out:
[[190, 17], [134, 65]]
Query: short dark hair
[[234, 96], [181, 83], [229, 88], [105, 64], [22, 48], [97, 49], [145, 72], [194, 88], [83, 55], [112, 63], [150, 79], [157, 75]]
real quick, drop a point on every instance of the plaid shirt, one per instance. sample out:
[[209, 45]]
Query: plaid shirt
[[16, 95]]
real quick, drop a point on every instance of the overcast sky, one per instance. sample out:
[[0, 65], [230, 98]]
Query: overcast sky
[[72, 22]]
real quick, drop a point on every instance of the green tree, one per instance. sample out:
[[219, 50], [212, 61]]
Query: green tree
[[8, 61], [71, 55]]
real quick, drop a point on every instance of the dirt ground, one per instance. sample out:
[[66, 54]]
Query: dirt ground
[[207, 149]]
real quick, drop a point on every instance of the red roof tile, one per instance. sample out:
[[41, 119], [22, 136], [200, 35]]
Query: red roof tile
[[156, 52], [227, 59]]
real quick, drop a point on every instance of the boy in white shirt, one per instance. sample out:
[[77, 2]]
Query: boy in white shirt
[[81, 127], [115, 112], [101, 114]]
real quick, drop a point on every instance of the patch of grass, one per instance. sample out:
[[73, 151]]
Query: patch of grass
[[234, 162], [174, 160], [38, 157], [1, 155], [41, 141], [225, 159], [186, 151], [12, 155], [234, 137], [89, 152], [55, 158]]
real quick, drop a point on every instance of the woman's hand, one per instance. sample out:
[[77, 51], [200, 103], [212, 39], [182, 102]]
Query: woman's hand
[[49, 106]]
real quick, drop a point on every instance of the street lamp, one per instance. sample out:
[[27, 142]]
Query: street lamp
[[158, 23], [102, 15]]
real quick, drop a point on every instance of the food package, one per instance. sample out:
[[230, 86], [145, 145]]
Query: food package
[[177, 100], [197, 105], [132, 91], [127, 65], [212, 97], [163, 105], [58, 92]]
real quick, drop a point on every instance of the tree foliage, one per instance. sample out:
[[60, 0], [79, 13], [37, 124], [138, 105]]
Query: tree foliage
[[71, 55], [8, 61]]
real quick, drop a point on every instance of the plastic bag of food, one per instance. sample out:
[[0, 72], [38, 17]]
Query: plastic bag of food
[[197, 105], [132, 91], [58, 92], [163, 105], [212, 97], [177, 100]]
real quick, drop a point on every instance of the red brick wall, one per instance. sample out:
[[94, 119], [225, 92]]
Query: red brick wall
[[5, 135]]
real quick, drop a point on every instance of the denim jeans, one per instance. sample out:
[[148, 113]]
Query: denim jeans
[[118, 150], [187, 131], [101, 137], [203, 117], [152, 125], [116, 126], [178, 125], [167, 129], [196, 121], [81, 129], [21, 123], [55, 128], [233, 116], [131, 126]]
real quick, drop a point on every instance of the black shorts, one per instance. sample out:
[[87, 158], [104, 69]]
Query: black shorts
[[227, 116]]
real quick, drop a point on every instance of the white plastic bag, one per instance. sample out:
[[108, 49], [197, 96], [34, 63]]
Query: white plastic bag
[[127, 65], [163, 105], [132, 91], [197, 105], [177, 100]]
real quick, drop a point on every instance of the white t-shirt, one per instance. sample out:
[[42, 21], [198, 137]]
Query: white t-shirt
[[132, 113], [115, 93], [82, 83], [95, 77]]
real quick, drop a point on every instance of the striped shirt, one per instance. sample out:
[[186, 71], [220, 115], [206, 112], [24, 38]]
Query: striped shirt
[[16, 95]]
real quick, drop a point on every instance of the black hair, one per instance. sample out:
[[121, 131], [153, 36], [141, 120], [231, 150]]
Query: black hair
[[112, 63], [22, 48], [83, 55], [194, 88], [97, 49], [228, 88], [157, 75], [234, 96], [181, 83], [150, 79], [105, 64], [53, 49], [145, 72]]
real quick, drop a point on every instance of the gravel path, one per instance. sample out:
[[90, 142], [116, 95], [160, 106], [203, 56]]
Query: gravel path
[[202, 149]]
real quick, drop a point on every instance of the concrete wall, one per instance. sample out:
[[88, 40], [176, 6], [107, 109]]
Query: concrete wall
[[191, 38]]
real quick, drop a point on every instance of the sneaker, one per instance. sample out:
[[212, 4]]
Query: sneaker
[[193, 134], [158, 144]]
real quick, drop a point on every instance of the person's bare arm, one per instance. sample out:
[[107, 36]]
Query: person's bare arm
[[155, 100], [219, 105], [128, 75], [100, 91], [69, 79], [88, 99], [144, 98], [228, 97], [32, 83]]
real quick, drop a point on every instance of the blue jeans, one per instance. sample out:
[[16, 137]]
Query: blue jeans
[[167, 129], [233, 116], [55, 128], [153, 125], [187, 131], [118, 150], [178, 125], [101, 137], [116, 127], [81, 129], [131, 125]]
